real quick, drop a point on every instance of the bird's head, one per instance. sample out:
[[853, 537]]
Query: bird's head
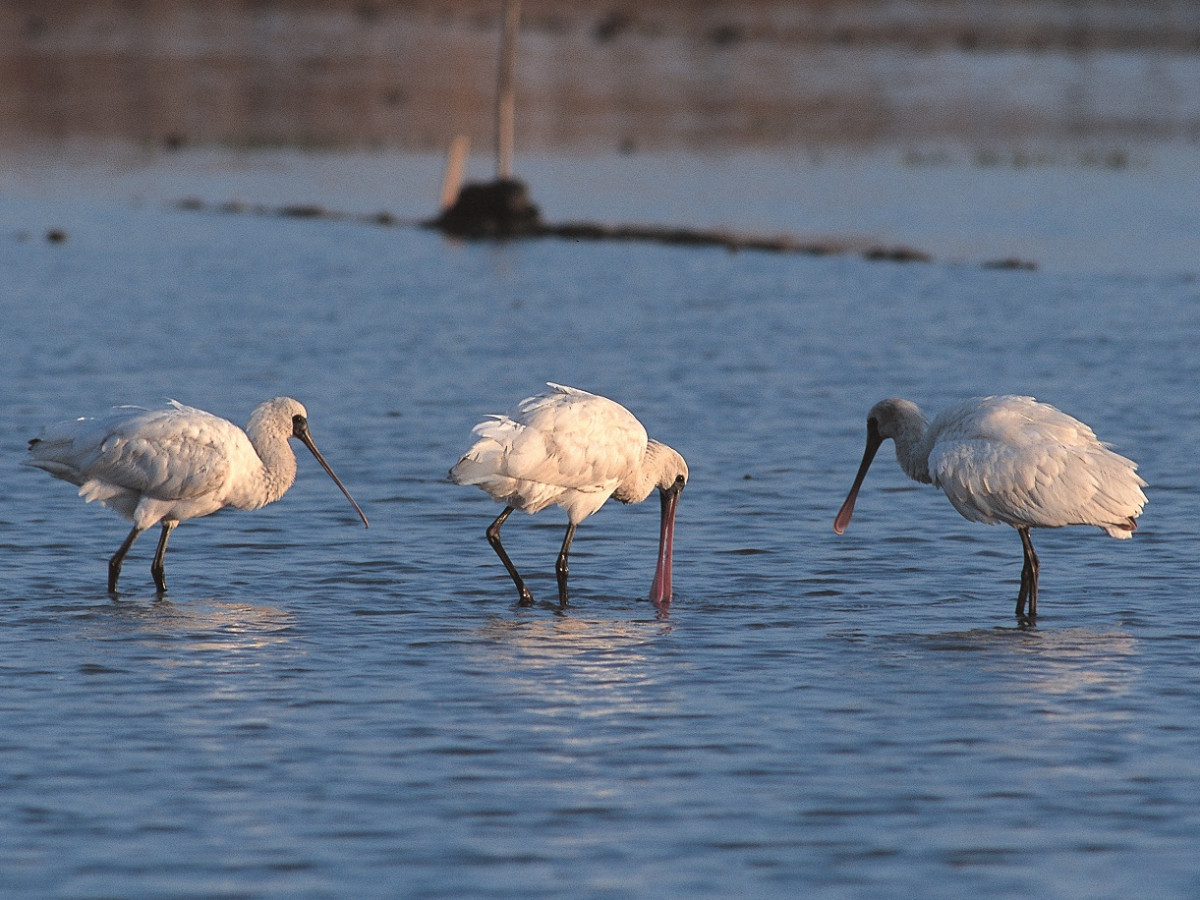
[[670, 468], [900, 420], [290, 418], [892, 417]]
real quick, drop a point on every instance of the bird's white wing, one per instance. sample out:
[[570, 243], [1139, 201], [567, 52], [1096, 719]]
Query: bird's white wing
[[174, 453], [564, 446], [572, 439], [1026, 463], [1024, 420]]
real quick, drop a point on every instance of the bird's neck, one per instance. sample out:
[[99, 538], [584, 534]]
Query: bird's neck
[[913, 443], [278, 465], [636, 487], [644, 478]]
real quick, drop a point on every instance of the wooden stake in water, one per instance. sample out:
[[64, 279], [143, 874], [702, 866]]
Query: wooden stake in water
[[456, 162], [505, 93]]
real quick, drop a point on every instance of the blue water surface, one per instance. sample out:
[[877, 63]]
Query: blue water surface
[[318, 710]]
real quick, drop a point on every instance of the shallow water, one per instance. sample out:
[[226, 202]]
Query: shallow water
[[317, 710]]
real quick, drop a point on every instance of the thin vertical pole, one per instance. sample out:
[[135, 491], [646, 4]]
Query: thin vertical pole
[[505, 94], [452, 176]]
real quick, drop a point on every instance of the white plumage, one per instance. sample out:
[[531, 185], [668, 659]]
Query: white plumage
[[1010, 460], [573, 449], [163, 466]]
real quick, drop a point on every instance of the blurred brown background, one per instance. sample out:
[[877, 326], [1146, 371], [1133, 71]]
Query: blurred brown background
[[626, 76]]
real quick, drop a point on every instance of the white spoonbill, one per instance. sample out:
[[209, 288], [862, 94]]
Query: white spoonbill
[[1012, 460], [573, 449], [162, 466]]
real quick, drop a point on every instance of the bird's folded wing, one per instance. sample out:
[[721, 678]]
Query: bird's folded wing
[[1044, 485], [166, 454]]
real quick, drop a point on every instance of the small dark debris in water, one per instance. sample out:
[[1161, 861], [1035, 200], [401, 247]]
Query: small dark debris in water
[[725, 35], [35, 28], [1114, 159], [294, 211], [98, 669], [495, 209], [610, 27], [687, 237], [367, 13], [303, 211], [56, 236], [896, 254], [968, 39], [1010, 263], [173, 141]]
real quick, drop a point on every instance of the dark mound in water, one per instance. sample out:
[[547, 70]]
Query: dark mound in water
[[494, 209]]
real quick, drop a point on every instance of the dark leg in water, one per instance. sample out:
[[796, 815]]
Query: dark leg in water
[[156, 567], [114, 563], [493, 536], [561, 567], [1029, 577]]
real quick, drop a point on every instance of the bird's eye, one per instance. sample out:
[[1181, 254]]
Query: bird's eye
[[297, 420], [679, 480]]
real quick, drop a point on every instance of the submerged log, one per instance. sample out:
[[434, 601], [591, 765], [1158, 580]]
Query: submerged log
[[502, 209]]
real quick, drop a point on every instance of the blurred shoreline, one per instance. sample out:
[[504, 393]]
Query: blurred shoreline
[[658, 76]]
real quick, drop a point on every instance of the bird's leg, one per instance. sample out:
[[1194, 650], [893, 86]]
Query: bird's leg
[[493, 536], [1024, 592], [561, 567], [114, 563], [156, 567], [1029, 577]]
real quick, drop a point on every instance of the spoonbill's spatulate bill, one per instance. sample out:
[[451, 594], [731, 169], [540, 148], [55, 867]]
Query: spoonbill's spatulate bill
[[573, 449], [1012, 460], [162, 466]]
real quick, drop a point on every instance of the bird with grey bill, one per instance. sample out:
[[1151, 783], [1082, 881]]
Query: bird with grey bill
[[1012, 460], [573, 449], [161, 466]]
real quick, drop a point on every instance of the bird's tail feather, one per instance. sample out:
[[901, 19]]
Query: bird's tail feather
[[1123, 530], [474, 468], [55, 455]]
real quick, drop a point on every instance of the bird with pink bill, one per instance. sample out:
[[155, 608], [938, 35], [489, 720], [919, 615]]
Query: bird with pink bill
[[1010, 460], [573, 449]]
